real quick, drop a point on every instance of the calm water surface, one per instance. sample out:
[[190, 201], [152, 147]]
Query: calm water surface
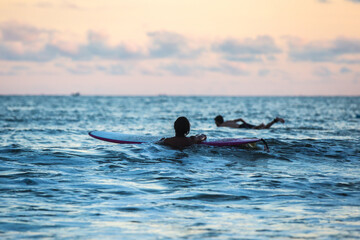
[[57, 182]]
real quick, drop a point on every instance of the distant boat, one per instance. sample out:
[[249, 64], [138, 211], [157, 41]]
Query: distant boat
[[77, 94]]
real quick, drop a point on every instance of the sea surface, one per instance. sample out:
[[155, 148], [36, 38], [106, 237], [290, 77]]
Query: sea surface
[[56, 182]]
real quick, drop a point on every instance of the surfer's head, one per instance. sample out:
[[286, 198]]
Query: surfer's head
[[219, 120], [182, 127]]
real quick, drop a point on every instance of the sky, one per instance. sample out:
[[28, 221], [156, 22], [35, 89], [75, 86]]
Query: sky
[[188, 47]]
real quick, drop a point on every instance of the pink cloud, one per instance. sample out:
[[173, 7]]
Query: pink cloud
[[16, 32], [339, 50]]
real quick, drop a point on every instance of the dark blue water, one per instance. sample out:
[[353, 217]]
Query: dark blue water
[[57, 182]]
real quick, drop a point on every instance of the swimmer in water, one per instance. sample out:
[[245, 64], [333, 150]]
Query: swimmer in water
[[219, 121], [182, 128]]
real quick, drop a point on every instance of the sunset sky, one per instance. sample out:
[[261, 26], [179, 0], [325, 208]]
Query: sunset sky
[[188, 47]]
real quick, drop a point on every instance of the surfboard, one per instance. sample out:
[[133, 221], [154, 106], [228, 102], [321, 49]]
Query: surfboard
[[121, 138]]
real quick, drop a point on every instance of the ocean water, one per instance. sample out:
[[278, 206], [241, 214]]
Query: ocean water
[[56, 182]]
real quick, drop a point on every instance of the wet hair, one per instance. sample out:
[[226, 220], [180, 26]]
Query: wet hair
[[219, 119], [182, 127]]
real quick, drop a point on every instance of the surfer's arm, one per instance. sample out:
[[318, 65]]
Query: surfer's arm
[[198, 138], [239, 120], [162, 141]]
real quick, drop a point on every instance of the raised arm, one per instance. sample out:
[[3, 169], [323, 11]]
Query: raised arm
[[239, 120]]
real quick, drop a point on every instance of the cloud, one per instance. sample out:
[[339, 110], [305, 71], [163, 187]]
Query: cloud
[[44, 5], [345, 70], [152, 73], [340, 50], [86, 69], [230, 69], [247, 50], [356, 78], [193, 69], [115, 69], [179, 69], [62, 4], [15, 32], [21, 42], [14, 70], [322, 72], [176, 54], [354, 1], [97, 47], [170, 45], [80, 69], [263, 72]]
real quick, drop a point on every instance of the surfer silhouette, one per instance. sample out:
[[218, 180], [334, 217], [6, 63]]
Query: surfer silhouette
[[219, 121], [182, 129]]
